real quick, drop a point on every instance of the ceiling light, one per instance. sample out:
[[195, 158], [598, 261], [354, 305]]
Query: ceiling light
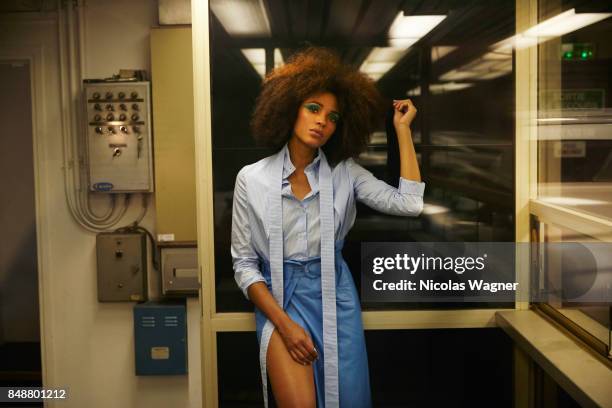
[[414, 91], [557, 119], [559, 25], [257, 58], [459, 74], [432, 209], [381, 60], [448, 87], [278, 58], [413, 26], [377, 67], [242, 18], [564, 23], [441, 51], [403, 42], [572, 201], [404, 32]]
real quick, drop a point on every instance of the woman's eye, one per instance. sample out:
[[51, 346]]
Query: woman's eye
[[334, 117], [312, 107]]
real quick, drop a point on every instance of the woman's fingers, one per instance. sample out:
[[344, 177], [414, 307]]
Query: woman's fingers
[[303, 352], [309, 351], [403, 105], [299, 356], [299, 344]]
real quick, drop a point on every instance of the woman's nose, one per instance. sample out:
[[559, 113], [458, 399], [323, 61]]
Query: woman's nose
[[321, 120]]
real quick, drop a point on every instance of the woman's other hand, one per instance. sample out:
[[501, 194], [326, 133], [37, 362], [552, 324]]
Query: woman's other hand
[[298, 343], [404, 113]]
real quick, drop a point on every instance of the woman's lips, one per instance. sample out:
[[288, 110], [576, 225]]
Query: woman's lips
[[316, 133]]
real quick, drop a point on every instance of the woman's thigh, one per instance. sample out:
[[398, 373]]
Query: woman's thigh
[[292, 383]]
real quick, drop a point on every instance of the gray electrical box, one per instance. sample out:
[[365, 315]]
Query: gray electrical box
[[180, 270], [122, 267], [119, 136]]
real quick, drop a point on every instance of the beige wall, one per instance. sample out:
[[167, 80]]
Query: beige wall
[[87, 346]]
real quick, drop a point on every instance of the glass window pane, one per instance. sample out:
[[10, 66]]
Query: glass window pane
[[578, 267], [575, 109], [575, 147], [447, 56], [407, 368]]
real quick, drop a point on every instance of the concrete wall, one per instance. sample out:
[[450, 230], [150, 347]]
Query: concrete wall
[[87, 346]]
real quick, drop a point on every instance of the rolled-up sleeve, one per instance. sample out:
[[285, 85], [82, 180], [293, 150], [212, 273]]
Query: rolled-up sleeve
[[245, 259], [407, 199]]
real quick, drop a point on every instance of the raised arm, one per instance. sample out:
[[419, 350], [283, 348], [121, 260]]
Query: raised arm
[[404, 113], [375, 193]]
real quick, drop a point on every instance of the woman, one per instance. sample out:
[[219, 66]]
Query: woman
[[291, 213]]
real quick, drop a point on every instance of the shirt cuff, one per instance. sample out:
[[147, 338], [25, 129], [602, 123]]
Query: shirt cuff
[[248, 280], [411, 187]]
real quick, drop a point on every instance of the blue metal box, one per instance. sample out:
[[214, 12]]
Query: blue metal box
[[160, 338]]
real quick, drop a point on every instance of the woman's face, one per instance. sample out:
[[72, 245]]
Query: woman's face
[[317, 119]]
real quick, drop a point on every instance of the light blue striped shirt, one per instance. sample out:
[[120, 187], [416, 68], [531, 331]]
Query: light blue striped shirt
[[301, 231]]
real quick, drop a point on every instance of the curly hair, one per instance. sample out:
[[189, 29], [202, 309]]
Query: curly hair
[[308, 72]]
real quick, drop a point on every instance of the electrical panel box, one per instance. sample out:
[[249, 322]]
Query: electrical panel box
[[122, 267], [119, 136], [179, 270], [160, 338]]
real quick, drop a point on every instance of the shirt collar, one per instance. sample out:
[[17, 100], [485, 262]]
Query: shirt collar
[[312, 168], [311, 171]]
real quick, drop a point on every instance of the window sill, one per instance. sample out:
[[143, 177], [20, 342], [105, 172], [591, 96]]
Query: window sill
[[576, 370]]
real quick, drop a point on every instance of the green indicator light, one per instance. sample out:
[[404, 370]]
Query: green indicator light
[[584, 54], [569, 55]]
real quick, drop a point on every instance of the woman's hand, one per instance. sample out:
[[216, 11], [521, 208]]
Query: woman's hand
[[298, 343], [404, 113]]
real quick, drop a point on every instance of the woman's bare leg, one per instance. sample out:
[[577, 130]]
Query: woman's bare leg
[[292, 383]]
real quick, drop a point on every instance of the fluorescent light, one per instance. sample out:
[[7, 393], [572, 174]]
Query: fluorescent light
[[414, 91], [278, 58], [432, 209], [440, 51], [377, 67], [459, 74], [257, 58], [480, 64], [572, 201], [498, 55], [489, 66], [519, 42], [381, 60], [375, 76], [386, 54], [448, 87], [437, 89], [242, 18], [557, 119], [404, 32], [564, 23], [494, 74], [559, 25], [413, 26], [403, 42]]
